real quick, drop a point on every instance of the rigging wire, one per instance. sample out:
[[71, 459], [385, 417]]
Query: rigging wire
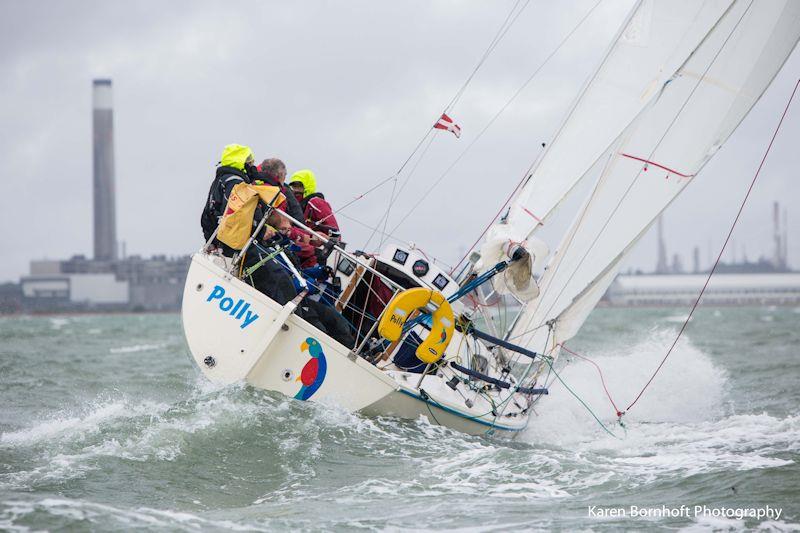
[[363, 194], [501, 32], [524, 179], [509, 21], [497, 115], [722, 250], [495, 41], [410, 244], [384, 218], [394, 197]]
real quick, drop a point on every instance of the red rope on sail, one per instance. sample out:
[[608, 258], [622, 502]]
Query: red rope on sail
[[537, 219], [719, 257], [648, 162]]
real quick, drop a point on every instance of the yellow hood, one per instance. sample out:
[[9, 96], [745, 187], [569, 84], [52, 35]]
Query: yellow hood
[[307, 178], [236, 155]]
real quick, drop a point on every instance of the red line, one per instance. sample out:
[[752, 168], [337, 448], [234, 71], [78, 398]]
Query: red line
[[648, 162], [602, 379], [539, 220]]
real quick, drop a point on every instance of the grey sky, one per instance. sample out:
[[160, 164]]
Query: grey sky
[[346, 89]]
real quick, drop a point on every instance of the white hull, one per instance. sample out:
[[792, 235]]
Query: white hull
[[236, 333]]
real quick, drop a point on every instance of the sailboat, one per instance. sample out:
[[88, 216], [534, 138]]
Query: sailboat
[[677, 79]]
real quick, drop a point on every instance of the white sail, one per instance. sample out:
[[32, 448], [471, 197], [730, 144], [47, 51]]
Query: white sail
[[658, 155], [656, 39]]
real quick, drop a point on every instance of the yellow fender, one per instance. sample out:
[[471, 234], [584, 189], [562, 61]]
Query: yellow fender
[[442, 322]]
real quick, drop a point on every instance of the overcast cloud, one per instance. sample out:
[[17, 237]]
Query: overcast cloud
[[346, 89]]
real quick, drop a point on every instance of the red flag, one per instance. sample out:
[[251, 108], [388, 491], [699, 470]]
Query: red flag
[[446, 123]]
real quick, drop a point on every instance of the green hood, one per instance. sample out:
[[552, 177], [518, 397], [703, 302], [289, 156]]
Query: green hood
[[307, 178], [236, 155]]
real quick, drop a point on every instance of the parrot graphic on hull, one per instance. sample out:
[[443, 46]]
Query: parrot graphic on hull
[[313, 373]]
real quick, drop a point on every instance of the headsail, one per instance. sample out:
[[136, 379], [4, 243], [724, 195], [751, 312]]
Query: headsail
[[658, 154], [653, 43]]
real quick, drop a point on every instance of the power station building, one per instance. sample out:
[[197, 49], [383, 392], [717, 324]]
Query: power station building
[[107, 281]]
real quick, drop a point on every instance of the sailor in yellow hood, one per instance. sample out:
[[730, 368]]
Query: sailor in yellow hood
[[235, 166], [317, 211], [307, 179], [237, 156]]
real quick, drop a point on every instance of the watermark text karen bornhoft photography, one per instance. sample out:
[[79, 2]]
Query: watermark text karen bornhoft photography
[[685, 511]]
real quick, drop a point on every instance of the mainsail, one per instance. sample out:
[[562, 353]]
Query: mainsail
[[664, 145]]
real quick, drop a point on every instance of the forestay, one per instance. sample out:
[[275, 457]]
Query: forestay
[[657, 155]]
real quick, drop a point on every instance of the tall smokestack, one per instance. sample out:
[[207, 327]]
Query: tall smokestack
[[105, 222], [661, 265], [776, 220]]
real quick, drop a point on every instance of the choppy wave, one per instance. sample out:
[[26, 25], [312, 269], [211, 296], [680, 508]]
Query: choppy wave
[[137, 348], [237, 458], [58, 323], [89, 513], [66, 426]]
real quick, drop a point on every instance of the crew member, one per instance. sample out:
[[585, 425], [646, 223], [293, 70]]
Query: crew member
[[316, 210], [237, 166], [273, 172]]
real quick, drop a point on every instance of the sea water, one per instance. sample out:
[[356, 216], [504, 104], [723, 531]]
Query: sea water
[[105, 424]]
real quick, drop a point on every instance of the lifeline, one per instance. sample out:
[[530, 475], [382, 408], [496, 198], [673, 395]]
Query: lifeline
[[685, 511]]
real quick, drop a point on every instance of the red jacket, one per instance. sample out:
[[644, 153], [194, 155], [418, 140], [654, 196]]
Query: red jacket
[[319, 214], [307, 253]]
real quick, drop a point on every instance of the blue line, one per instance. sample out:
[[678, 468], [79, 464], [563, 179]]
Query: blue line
[[458, 413]]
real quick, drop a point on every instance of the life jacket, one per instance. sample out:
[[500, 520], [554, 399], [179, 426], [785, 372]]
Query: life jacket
[[236, 225]]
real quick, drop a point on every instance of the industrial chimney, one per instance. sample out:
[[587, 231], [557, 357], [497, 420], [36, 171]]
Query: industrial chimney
[[105, 222], [777, 255], [661, 264]]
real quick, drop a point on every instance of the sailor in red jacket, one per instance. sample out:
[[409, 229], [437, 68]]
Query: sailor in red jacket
[[317, 211]]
